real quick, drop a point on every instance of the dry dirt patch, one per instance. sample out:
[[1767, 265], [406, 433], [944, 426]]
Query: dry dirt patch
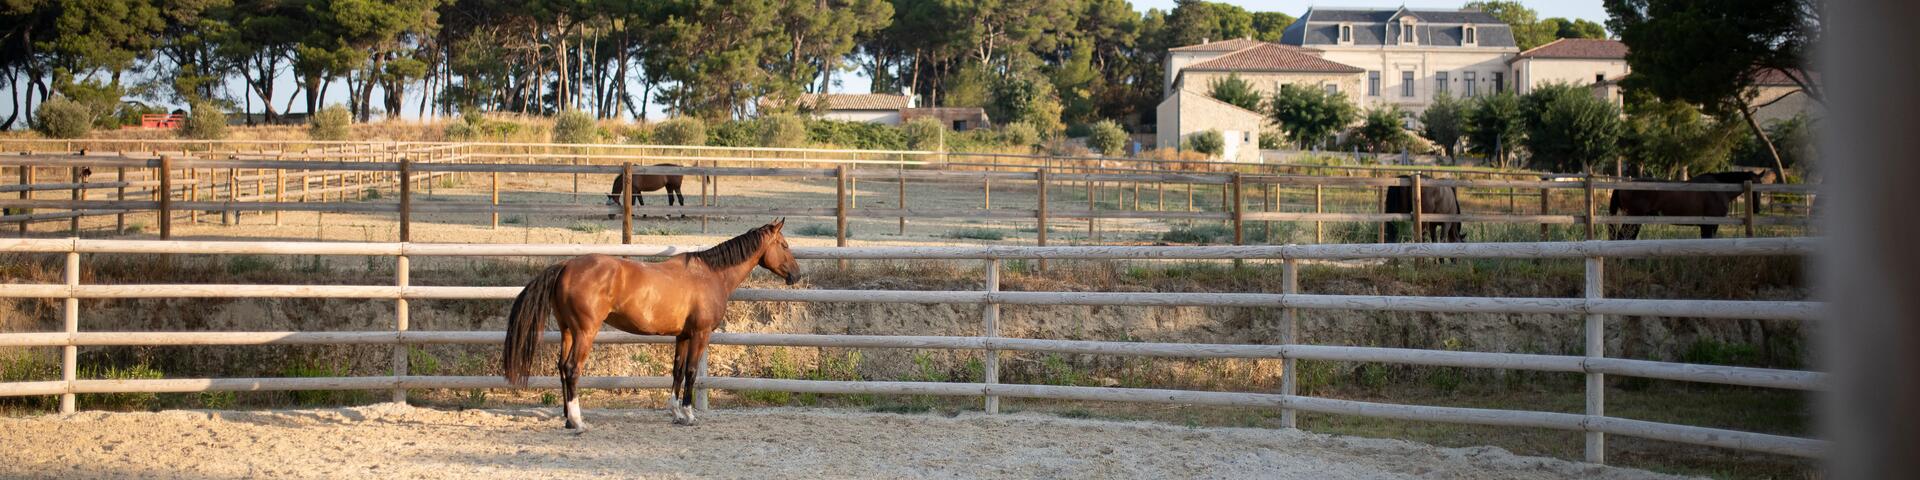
[[397, 441]]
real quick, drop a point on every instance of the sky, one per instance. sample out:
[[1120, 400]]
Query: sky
[[855, 82]]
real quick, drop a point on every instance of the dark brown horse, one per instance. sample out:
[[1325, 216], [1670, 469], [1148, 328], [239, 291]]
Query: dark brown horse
[[1668, 203], [1437, 200], [647, 183], [684, 296]]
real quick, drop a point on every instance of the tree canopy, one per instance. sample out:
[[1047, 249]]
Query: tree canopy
[[1309, 115]]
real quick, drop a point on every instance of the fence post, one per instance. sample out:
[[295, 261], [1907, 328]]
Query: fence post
[[401, 270], [986, 191], [1753, 203], [496, 200], [1546, 204], [165, 192], [991, 316], [903, 198], [279, 189], [75, 195], [1239, 213], [1092, 206], [1596, 445], [406, 201], [1414, 194], [840, 210], [26, 178], [626, 203], [1040, 214], [70, 354], [120, 194], [1588, 185], [1318, 232], [1289, 378]]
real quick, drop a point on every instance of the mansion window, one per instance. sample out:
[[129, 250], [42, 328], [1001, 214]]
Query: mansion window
[[1468, 36], [1468, 79], [1406, 34], [1373, 83], [1439, 82], [1346, 33], [1333, 88], [1499, 82], [1406, 83]]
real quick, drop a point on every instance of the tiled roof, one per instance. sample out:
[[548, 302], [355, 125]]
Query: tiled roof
[[1219, 46], [861, 101], [1579, 48], [1774, 78], [1272, 58]]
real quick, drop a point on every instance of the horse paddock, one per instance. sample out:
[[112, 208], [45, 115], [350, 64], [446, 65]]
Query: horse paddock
[[397, 441]]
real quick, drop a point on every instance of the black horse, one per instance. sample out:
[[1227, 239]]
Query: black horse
[[1437, 200], [1667, 203], [647, 183]]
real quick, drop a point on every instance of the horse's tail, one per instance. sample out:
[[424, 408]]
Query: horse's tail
[[525, 322]]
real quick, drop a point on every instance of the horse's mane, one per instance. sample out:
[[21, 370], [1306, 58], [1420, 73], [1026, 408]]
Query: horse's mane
[[734, 250]]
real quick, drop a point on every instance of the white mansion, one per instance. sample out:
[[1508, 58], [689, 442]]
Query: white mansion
[[1377, 57]]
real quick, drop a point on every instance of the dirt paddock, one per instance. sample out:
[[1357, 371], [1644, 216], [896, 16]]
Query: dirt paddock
[[397, 441]]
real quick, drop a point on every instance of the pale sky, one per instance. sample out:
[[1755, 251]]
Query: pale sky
[[855, 82]]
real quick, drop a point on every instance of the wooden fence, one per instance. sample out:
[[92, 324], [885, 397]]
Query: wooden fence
[[1593, 306], [1235, 189]]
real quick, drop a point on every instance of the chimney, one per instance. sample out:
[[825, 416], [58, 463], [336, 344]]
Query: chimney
[[1205, 40]]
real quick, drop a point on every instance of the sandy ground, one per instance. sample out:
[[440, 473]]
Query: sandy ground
[[396, 441]]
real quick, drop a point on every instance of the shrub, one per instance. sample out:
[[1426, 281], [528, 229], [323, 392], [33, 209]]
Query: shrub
[[574, 126], [783, 130], [1310, 115], [925, 134], [59, 117], [1199, 234], [1568, 129], [1381, 130], [1108, 138], [330, 124], [737, 133], [1210, 142], [681, 131], [976, 233], [1235, 91], [860, 135], [206, 122], [1272, 140], [1020, 134]]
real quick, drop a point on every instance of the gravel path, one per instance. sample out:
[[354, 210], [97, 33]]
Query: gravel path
[[395, 441]]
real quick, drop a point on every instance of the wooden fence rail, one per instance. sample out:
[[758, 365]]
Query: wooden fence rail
[[1593, 306], [1233, 210]]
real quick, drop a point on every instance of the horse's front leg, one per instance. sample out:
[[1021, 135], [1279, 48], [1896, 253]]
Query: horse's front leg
[[681, 376]]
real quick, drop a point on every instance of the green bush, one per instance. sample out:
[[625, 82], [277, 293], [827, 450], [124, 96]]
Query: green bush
[[206, 122], [1020, 134], [330, 124], [1272, 140], [473, 126], [681, 131], [860, 135], [1108, 138], [783, 130], [736, 133], [925, 134], [59, 117], [574, 126], [1198, 234], [976, 233], [1210, 142]]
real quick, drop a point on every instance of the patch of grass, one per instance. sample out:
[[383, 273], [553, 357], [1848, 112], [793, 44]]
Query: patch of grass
[[657, 230], [1198, 234], [319, 369], [136, 227], [815, 230], [370, 194], [216, 400], [975, 233], [1711, 352], [513, 220], [246, 264], [586, 227], [119, 401]]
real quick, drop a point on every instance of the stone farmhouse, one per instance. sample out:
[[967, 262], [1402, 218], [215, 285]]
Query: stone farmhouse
[[1377, 58]]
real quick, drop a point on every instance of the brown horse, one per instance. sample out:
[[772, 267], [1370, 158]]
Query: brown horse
[[1668, 203], [647, 183], [1435, 200], [684, 296]]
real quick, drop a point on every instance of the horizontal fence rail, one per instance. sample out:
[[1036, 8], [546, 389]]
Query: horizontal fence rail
[[1593, 365], [1237, 185]]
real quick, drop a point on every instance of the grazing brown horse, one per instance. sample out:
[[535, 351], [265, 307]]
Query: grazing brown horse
[[1668, 203], [684, 296], [647, 183], [1435, 200]]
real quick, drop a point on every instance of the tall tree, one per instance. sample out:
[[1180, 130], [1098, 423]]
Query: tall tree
[[1569, 130], [1666, 138], [1715, 53], [1527, 29], [1444, 123], [1267, 26], [1235, 90], [1495, 125], [1309, 115]]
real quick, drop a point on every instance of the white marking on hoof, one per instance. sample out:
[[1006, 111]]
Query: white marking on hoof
[[574, 416]]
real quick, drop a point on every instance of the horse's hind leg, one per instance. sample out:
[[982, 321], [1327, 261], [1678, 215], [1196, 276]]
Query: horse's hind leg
[[682, 375], [1708, 231], [566, 375], [576, 362]]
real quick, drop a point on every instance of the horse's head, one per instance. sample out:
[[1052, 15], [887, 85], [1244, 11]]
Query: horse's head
[[776, 256]]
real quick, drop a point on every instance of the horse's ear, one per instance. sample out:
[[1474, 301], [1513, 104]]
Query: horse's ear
[[778, 224]]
